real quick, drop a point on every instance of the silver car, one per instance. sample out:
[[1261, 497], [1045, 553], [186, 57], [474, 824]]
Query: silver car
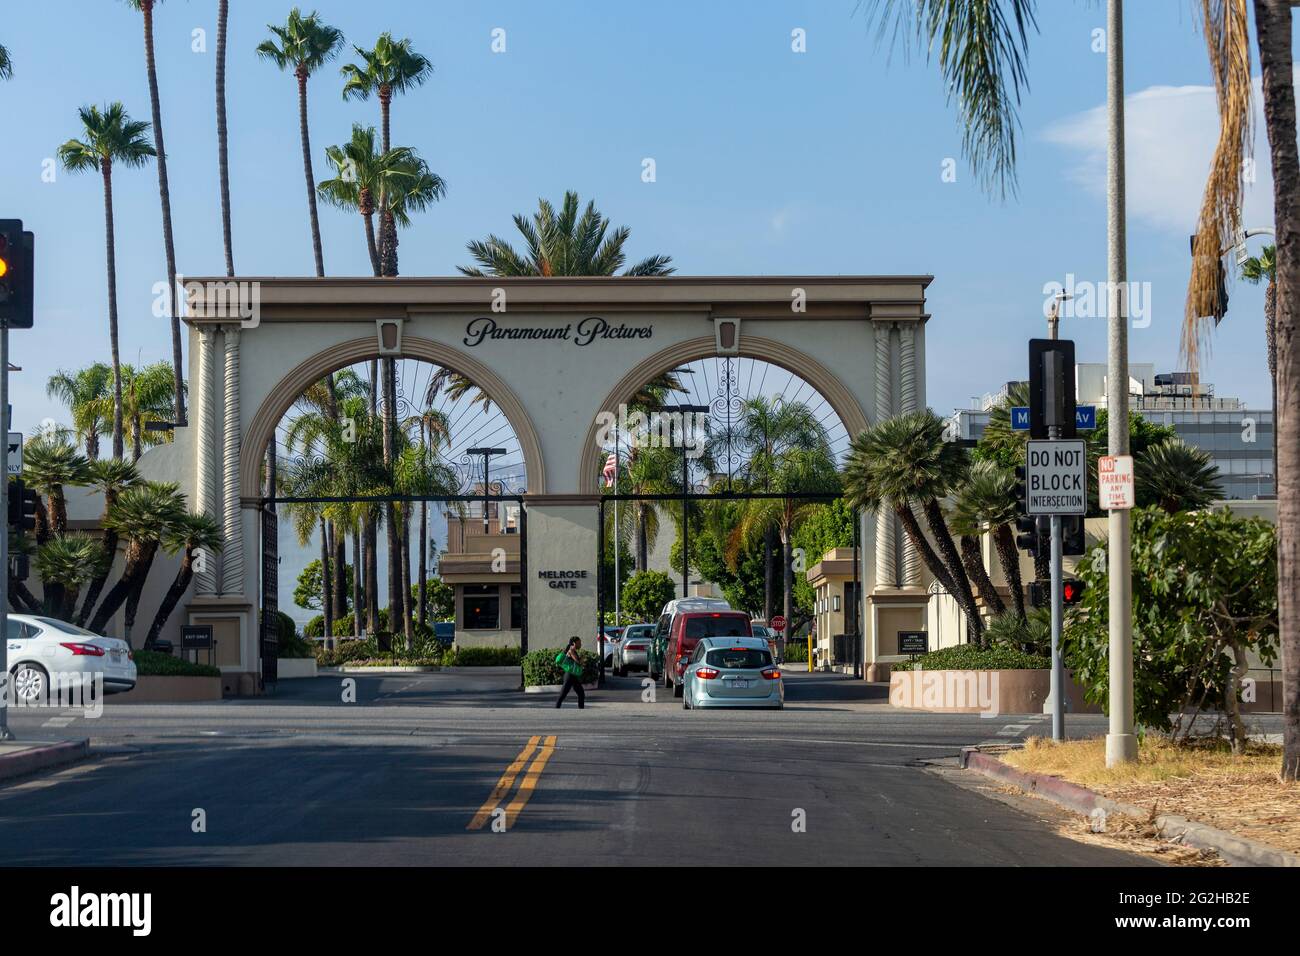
[[633, 651], [732, 672]]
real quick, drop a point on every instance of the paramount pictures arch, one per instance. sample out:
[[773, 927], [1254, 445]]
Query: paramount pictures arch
[[552, 354]]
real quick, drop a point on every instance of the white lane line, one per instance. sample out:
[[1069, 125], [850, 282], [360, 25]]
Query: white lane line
[[58, 721]]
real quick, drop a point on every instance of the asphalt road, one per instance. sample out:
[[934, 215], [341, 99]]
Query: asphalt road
[[437, 769]]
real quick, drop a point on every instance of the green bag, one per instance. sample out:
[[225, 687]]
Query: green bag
[[567, 665]]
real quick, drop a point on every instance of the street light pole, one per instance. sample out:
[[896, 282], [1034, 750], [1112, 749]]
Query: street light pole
[[487, 454], [1121, 744], [5, 732]]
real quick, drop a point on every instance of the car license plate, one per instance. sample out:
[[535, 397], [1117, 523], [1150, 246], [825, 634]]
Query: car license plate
[[739, 683], [117, 656]]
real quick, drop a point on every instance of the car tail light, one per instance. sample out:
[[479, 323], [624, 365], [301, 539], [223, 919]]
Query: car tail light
[[772, 674], [87, 650], [705, 673]]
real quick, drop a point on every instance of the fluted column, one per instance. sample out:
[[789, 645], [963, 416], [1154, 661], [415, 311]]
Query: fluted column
[[208, 499], [908, 404], [232, 563], [886, 563]]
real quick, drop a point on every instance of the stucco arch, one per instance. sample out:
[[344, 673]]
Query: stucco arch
[[849, 410], [263, 424]]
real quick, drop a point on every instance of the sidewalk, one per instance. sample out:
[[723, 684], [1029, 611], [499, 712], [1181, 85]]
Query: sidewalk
[[18, 758]]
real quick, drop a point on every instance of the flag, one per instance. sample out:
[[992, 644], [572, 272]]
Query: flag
[[610, 470]]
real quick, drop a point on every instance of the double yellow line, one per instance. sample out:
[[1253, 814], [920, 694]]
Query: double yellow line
[[507, 782]]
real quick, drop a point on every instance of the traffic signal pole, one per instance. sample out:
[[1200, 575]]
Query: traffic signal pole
[[1121, 744], [5, 732]]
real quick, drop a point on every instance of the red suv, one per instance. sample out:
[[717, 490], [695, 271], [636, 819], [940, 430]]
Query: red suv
[[687, 629]]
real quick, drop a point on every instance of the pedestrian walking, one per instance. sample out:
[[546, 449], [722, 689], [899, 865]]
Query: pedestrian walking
[[571, 663]]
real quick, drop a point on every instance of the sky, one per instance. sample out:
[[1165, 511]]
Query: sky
[[767, 161]]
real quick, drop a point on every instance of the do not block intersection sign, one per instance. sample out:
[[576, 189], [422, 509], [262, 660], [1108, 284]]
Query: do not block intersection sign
[[1056, 477]]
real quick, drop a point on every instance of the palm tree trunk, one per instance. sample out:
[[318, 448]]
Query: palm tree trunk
[[223, 164], [22, 598], [109, 549], [137, 446], [642, 548], [357, 611], [973, 560], [370, 245], [407, 628], [110, 243], [173, 597], [387, 243], [339, 543], [54, 595], [1273, 28], [137, 589], [767, 574], [164, 193], [943, 539], [1009, 558], [121, 590], [385, 104], [372, 573], [932, 562], [58, 511], [326, 585], [787, 563], [423, 585], [307, 172]]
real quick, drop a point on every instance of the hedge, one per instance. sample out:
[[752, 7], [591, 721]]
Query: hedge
[[482, 657], [970, 657], [158, 664], [540, 668]]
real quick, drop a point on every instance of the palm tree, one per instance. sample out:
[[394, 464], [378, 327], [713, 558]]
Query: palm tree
[[223, 163], [164, 192], [1177, 476], [6, 64], [391, 67], [414, 189], [49, 466], [305, 44], [420, 472], [902, 460], [146, 398], [363, 175], [64, 564], [110, 476], [562, 245], [86, 393], [1273, 33], [189, 534], [987, 501], [434, 428], [142, 515], [110, 137]]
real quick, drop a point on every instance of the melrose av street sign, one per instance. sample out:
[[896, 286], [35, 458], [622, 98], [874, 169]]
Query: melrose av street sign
[[583, 334]]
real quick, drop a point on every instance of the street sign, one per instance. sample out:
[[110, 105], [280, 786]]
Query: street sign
[[1115, 482], [1085, 417], [196, 637], [1056, 477], [15, 460], [913, 642], [778, 622]]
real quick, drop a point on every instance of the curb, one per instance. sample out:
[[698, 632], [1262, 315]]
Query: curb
[[395, 669], [552, 688], [1237, 850], [42, 758]]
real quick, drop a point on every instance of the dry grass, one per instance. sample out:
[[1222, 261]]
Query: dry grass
[[1201, 781]]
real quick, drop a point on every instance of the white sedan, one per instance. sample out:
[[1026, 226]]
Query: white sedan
[[45, 654]]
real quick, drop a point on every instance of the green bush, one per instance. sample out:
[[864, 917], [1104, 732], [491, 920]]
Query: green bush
[[157, 664], [482, 657], [796, 652], [366, 652], [971, 657], [645, 594], [1031, 634], [540, 667]]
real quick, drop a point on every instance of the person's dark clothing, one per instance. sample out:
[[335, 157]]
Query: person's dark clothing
[[575, 683]]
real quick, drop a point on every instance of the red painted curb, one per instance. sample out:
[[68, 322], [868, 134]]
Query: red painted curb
[[1071, 795], [41, 758]]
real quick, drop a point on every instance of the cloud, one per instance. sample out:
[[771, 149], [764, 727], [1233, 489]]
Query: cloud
[[1170, 133]]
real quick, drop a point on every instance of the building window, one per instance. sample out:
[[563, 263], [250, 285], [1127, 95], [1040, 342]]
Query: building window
[[516, 606], [482, 607]]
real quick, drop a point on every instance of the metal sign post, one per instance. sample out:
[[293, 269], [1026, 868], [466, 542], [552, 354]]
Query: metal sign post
[[5, 732]]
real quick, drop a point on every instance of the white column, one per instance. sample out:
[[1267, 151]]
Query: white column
[[908, 404], [232, 563], [207, 498], [886, 563]]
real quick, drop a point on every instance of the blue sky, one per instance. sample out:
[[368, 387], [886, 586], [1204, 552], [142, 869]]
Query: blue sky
[[768, 161]]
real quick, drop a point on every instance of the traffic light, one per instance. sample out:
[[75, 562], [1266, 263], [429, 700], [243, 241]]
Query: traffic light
[[1072, 538], [1040, 592], [1034, 532], [17, 259], [23, 502]]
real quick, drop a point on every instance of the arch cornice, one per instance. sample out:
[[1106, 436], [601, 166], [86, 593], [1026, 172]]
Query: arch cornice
[[262, 426], [851, 413]]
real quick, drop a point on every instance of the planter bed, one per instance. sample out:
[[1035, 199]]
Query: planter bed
[[168, 690]]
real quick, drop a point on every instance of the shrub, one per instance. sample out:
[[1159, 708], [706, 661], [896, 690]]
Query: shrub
[[366, 652], [482, 657], [314, 627], [540, 667], [646, 593], [972, 657], [157, 664], [1031, 634], [796, 652]]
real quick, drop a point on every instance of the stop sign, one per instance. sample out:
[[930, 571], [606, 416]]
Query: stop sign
[[778, 623]]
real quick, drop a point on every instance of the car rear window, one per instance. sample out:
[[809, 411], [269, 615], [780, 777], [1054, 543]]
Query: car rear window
[[738, 658], [698, 627]]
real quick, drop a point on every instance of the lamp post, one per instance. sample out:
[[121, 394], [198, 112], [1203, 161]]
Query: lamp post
[[683, 411], [487, 454]]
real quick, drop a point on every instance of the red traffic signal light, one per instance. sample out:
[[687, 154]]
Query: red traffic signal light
[[1072, 591]]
